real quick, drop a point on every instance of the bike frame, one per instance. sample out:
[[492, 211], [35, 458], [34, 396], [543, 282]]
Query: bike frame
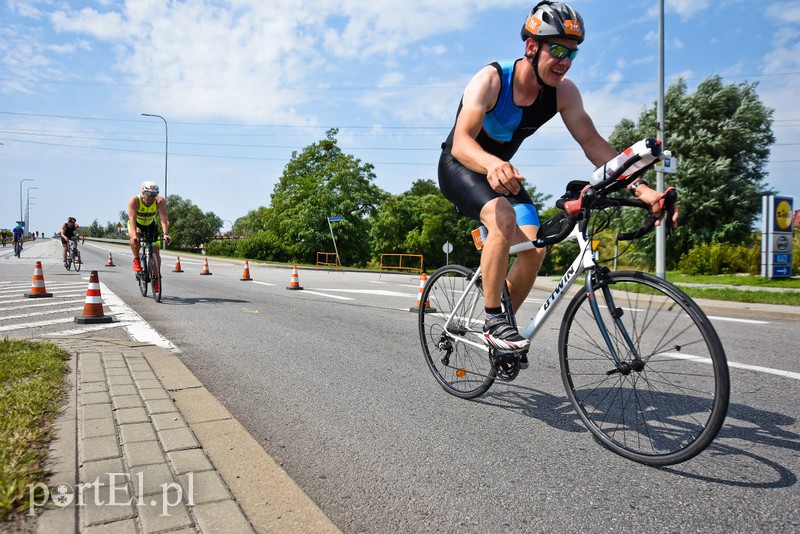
[[584, 263]]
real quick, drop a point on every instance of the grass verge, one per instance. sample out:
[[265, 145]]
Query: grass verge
[[32, 387]]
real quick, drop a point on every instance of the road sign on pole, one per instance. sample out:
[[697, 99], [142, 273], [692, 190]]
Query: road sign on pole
[[330, 220]]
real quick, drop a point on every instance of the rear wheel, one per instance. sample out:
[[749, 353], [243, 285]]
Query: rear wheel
[[457, 356], [668, 398]]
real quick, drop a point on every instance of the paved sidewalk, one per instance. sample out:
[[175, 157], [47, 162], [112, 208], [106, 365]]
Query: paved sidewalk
[[142, 446]]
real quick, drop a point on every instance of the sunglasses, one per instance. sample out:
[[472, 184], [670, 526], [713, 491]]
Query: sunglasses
[[150, 194], [560, 51]]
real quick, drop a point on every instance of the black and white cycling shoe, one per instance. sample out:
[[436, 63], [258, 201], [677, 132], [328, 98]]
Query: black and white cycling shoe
[[502, 336]]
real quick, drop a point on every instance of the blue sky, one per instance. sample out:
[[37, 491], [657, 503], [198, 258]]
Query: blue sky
[[243, 83]]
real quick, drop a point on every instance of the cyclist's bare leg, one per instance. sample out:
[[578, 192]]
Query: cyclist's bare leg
[[523, 273], [500, 220], [64, 251]]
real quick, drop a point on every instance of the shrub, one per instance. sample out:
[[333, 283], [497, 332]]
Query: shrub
[[221, 248], [721, 258]]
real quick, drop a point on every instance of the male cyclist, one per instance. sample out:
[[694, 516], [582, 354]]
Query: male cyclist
[[69, 230], [503, 104], [142, 212], [18, 234], [4, 236]]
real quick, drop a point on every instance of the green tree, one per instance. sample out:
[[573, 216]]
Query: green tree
[[319, 182], [189, 227], [255, 221], [721, 135]]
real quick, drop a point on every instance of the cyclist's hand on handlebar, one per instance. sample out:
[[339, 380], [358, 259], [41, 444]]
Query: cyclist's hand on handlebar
[[656, 201], [504, 178], [167, 238]]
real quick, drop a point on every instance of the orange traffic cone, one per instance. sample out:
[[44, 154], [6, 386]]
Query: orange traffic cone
[[37, 287], [177, 268], [294, 282], [110, 262], [246, 273], [205, 267], [422, 281], [93, 305]]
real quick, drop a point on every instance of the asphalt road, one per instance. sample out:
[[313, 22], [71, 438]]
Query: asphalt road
[[332, 382]]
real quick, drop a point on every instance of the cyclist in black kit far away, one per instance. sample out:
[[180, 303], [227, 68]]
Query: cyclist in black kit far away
[[504, 103], [68, 230]]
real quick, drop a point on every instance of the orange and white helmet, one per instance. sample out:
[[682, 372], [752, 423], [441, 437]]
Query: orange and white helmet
[[553, 19]]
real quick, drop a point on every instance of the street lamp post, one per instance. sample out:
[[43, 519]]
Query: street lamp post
[[28, 208], [20, 197], [166, 147]]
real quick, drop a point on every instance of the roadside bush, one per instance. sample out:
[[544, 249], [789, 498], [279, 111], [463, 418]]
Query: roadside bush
[[721, 258], [262, 246], [221, 248]]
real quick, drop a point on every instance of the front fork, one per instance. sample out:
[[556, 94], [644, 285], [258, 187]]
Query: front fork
[[599, 276]]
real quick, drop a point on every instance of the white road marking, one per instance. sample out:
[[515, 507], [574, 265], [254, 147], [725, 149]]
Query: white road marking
[[737, 320], [137, 327], [748, 367], [262, 283], [40, 313], [37, 324], [325, 295], [379, 292]]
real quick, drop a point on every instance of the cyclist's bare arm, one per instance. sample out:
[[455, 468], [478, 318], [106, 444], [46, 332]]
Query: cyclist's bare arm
[[162, 215], [133, 208], [597, 149], [480, 96]]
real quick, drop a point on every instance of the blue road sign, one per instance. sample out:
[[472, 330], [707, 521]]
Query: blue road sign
[[781, 271], [782, 258], [335, 219]]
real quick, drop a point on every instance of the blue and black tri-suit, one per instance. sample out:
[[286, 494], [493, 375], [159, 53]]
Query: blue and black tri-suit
[[505, 126]]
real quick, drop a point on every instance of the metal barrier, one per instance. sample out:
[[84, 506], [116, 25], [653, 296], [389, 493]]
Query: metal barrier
[[326, 257], [400, 266]]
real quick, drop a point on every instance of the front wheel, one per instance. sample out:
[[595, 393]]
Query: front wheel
[[456, 354], [142, 276], [76, 260], [155, 277], [667, 398]]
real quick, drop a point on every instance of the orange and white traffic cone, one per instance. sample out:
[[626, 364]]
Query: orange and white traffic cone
[[177, 268], [246, 273], [110, 262], [294, 281], [93, 305], [37, 287], [205, 267], [422, 281]]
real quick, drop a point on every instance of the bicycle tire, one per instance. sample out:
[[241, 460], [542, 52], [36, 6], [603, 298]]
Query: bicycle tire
[[76, 260], [142, 276], [461, 369], [671, 408], [155, 278]]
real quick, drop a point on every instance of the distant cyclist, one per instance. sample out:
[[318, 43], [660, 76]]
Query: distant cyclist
[[19, 237], [4, 236], [142, 212], [69, 230]]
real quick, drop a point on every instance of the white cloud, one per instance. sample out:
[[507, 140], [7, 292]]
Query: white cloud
[[687, 8]]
